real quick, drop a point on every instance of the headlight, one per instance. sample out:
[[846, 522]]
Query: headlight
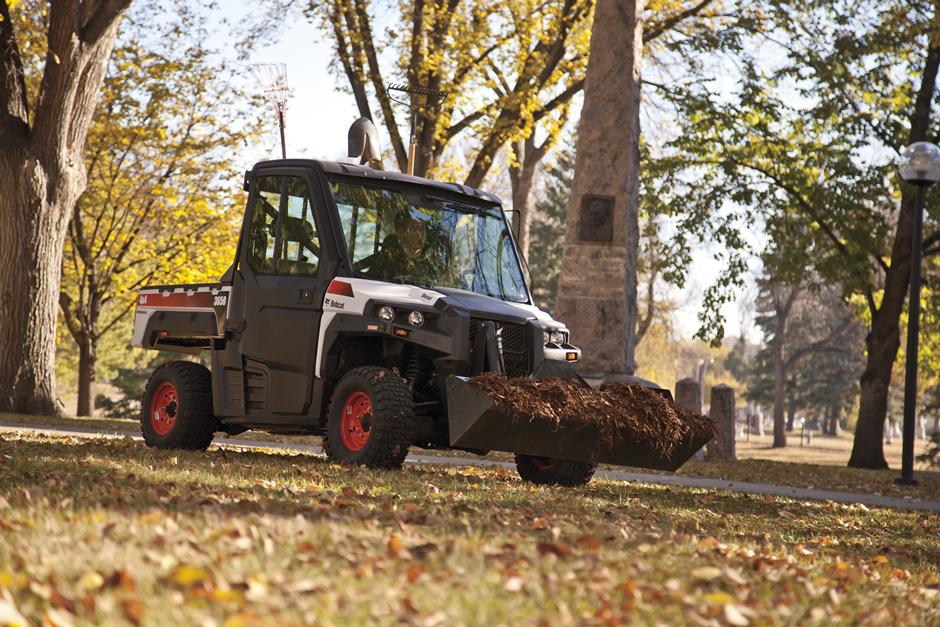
[[558, 337], [386, 313], [416, 318], [546, 337]]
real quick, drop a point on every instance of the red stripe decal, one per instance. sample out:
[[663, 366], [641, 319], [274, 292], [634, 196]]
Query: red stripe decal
[[177, 299], [340, 288]]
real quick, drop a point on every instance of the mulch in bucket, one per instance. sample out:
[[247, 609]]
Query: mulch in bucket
[[621, 411]]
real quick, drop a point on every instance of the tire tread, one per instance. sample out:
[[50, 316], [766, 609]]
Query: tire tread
[[388, 444], [564, 473], [199, 424]]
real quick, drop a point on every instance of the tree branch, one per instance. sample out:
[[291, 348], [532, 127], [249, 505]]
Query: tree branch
[[378, 85], [98, 16], [657, 29], [14, 107]]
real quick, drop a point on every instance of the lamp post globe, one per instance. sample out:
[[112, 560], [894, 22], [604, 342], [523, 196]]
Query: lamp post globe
[[920, 163], [920, 166]]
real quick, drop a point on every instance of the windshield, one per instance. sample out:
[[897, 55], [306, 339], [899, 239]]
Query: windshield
[[418, 238]]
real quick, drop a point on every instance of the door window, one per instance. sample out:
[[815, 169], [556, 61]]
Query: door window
[[282, 232]]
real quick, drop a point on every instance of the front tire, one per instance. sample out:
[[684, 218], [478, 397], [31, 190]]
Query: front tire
[[550, 471], [371, 419], [176, 412]]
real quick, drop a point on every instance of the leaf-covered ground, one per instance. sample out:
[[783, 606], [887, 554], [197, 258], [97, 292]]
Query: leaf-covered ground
[[95, 531], [822, 466]]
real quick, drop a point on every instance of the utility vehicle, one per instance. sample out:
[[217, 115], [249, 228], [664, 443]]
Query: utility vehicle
[[358, 303]]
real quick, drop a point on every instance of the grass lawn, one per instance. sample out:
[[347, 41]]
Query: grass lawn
[[108, 531], [821, 466]]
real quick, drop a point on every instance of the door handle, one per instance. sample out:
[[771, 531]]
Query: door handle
[[305, 296]]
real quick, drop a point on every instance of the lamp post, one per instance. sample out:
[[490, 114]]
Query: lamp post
[[920, 166]]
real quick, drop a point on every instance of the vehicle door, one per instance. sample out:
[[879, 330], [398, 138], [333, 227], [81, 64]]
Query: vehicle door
[[285, 282]]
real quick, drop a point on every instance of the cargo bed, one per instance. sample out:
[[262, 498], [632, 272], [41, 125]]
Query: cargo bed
[[182, 318]]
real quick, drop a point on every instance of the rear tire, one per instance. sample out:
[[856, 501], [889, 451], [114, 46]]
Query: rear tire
[[371, 419], [176, 412], [550, 471]]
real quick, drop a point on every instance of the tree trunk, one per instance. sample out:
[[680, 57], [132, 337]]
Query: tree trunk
[[884, 338], [597, 289], [882, 343], [791, 417], [780, 388], [42, 174], [87, 361], [522, 177], [31, 243]]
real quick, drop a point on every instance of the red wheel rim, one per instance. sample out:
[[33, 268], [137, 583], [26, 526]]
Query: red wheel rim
[[353, 429], [542, 463], [163, 408]]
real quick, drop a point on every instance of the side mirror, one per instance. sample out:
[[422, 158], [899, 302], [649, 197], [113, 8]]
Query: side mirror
[[364, 142]]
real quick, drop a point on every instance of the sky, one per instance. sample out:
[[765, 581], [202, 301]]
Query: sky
[[320, 112]]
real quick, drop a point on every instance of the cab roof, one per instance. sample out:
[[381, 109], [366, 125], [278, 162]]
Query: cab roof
[[360, 171]]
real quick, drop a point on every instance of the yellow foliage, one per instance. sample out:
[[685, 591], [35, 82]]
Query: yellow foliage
[[163, 197]]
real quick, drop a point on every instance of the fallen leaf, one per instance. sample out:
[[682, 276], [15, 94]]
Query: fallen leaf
[[630, 587], [422, 551], [734, 576], [559, 549], [706, 573], [57, 618], [91, 581], [122, 579], [396, 547], [257, 587], [133, 610], [348, 491], [59, 600], [9, 615], [189, 575], [719, 598], [733, 615], [590, 543]]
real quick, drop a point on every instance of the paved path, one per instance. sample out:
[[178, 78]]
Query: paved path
[[871, 500]]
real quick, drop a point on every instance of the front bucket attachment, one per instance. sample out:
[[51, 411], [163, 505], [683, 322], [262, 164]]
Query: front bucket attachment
[[476, 423]]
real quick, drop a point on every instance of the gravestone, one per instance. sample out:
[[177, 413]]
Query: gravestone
[[757, 422], [689, 395], [722, 414]]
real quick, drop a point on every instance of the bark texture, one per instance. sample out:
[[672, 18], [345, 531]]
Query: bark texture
[[42, 174], [597, 290]]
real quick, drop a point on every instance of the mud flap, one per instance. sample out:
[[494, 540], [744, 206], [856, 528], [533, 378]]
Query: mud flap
[[475, 423]]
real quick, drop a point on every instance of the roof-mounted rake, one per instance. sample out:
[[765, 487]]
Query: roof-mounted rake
[[432, 98]]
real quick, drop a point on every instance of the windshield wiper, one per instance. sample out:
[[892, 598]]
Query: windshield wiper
[[466, 207]]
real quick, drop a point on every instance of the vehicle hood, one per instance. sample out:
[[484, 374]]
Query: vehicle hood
[[482, 306]]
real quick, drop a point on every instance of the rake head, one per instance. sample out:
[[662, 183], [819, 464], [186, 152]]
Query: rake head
[[433, 96]]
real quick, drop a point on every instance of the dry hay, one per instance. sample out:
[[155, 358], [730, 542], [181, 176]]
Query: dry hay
[[621, 411]]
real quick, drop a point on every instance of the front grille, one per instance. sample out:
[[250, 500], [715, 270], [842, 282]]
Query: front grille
[[512, 344]]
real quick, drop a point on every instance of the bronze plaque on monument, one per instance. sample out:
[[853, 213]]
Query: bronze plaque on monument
[[597, 218]]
